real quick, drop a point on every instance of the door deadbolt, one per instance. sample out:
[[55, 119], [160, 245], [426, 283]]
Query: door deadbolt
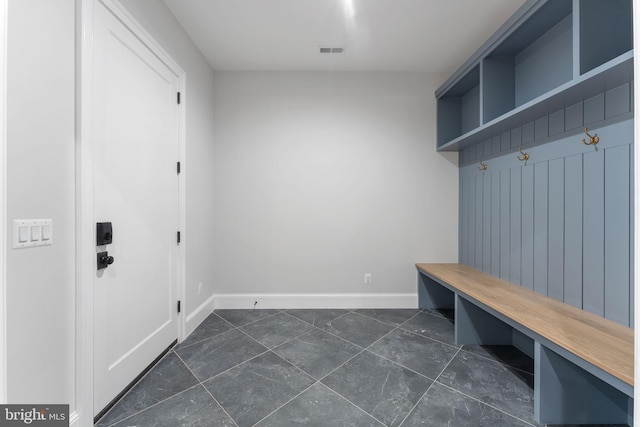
[[104, 233], [104, 260]]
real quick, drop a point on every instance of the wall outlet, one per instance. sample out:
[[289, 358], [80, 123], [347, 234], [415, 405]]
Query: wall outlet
[[199, 288], [368, 278]]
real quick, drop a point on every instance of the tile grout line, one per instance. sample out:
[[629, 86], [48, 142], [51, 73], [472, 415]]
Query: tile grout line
[[428, 388], [208, 338], [506, 365], [485, 403], [239, 329], [457, 347], [284, 404], [431, 385], [431, 338], [352, 404], [249, 323], [220, 405], [263, 345], [396, 327], [237, 364], [458, 391], [394, 324], [439, 315], [319, 381], [341, 365], [330, 320], [155, 404], [316, 381], [132, 387], [228, 369], [399, 364], [447, 365], [207, 390], [366, 349], [417, 403]]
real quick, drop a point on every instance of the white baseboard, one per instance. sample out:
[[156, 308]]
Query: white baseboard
[[198, 315], [318, 301]]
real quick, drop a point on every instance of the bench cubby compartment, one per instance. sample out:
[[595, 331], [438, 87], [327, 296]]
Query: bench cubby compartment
[[568, 389], [565, 391]]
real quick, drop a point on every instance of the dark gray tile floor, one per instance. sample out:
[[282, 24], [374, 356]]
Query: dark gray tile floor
[[330, 368]]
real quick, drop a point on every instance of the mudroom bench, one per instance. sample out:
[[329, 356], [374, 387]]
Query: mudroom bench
[[583, 363]]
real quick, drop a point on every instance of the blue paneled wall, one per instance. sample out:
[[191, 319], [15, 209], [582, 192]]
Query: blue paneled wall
[[561, 222]]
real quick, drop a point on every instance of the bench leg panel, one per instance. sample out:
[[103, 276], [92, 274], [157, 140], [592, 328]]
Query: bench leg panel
[[567, 394], [432, 294], [474, 326]]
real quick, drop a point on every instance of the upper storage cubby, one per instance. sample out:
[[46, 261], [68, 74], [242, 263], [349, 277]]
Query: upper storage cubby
[[534, 59], [549, 55], [606, 31], [459, 110]]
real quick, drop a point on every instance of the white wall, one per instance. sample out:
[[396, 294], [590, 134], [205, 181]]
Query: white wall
[[322, 177], [40, 184], [3, 169], [156, 18]]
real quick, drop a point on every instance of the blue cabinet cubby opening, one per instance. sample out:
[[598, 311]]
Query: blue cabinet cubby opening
[[550, 55], [532, 61], [459, 110], [606, 32]]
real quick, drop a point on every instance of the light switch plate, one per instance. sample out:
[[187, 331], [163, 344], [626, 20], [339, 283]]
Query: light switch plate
[[37, 238]]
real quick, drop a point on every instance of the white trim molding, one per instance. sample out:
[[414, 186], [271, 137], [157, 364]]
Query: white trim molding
[[84, 215], [197, 316], [317, 301], [4, 6], [296, 301], [636, 204]]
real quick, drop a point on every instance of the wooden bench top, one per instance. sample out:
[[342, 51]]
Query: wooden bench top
[[601, 342]]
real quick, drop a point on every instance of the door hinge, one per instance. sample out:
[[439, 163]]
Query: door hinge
[[178, 168], [178, 237], [178, 306], [178, 98]]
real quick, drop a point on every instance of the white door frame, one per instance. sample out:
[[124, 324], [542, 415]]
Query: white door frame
[[85, 227], [636, 204], [3, 199]]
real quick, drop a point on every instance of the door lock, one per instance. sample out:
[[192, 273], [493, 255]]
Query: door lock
[[104, 233], [104, 260]]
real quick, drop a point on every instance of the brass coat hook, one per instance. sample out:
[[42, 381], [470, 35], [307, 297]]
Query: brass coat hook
[[483, 167], [593, 140], [524, 157]]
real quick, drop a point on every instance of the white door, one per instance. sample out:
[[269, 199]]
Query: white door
[[135, 151]]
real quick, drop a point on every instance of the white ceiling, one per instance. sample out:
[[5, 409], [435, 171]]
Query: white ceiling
[[377, 35]]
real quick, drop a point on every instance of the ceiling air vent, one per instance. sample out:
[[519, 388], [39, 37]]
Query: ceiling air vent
[[329, 50]]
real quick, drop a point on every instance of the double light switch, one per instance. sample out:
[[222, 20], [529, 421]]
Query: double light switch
[[28, 233]]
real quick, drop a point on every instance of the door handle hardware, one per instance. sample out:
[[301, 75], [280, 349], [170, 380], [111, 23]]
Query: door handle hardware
[[104, 260]]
